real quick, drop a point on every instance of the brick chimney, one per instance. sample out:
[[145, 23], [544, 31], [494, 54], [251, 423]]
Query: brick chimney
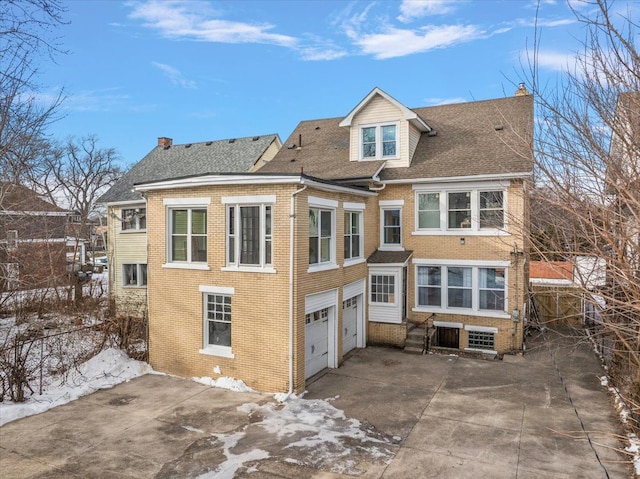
[[522, 90], [165, 142]]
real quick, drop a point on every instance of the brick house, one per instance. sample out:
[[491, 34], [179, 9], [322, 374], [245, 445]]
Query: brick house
[[359, 229], [33, 242], [127, 210]]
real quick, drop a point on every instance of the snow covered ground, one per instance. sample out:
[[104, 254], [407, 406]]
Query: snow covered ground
[[108, 368]]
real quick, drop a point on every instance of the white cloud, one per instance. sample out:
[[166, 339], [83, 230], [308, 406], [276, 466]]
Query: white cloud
[[174, 75], [396, 42], [556, 61], [444, 101], [321, 53], [411, 9], [192, 20]]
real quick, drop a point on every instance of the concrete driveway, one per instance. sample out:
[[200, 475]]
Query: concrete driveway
[[419, 417]]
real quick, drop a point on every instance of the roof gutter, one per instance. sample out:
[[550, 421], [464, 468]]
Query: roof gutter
[[450, 179]]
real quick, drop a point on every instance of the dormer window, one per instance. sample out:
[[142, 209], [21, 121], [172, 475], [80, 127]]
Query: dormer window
[[379, 141]]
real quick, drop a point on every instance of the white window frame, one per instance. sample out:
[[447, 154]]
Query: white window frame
[[12, 239], [137, 214], [196, 203], [238, 202], [396, 286], [211, 349], [323, 204], [139, 283], [388, 205], [474, 191], [357, 209], [475, 287], [379, 143]]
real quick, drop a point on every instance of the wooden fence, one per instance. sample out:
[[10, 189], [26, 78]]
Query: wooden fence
[[558, 304]]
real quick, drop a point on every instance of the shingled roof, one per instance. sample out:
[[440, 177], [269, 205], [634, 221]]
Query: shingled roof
[[490, 137], [236, 155]]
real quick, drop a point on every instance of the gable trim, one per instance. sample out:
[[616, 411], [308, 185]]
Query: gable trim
[[407, 113]]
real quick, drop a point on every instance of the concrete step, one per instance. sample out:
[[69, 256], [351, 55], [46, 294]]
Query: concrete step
[[412, 350]]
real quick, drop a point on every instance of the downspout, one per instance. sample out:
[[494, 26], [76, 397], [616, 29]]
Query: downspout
[[292, 217], [377, 188]]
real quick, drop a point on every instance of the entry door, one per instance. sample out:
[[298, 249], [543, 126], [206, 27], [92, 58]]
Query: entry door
[[448, 337], [349, 324], [316, 342]]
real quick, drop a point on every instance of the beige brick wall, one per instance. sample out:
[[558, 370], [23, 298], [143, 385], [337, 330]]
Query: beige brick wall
[[387, 334], [483, 248]]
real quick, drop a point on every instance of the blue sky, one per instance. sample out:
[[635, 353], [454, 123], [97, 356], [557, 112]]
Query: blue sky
[[199, 71]]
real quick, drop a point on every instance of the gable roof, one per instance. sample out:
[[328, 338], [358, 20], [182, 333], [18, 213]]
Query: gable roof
[[236, 155], [407, 113], [20, 199], [480, 138]]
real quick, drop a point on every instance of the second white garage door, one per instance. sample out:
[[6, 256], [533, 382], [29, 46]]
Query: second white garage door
[[316, 342]]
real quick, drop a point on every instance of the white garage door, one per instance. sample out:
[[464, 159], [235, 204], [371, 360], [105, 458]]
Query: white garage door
[[316, 342], [349, 324]]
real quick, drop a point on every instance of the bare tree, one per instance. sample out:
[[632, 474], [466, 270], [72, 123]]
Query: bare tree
[[587, 200], [77, 172], [26, 28]]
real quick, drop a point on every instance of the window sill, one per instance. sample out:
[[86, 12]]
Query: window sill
[[248, 269], [477, 350], [322, 267], [387, 247], [353, 261], [221, 351], [128, 232], [460, 232], [462, 312], [133, 286], [199, 266], [383, 305]]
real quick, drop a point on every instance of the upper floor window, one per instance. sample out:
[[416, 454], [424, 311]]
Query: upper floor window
[[249, 235], [379, 142], [188, 238], [320, 236], [322, 233], [352, 234], [12, 239], [471, 210], [391, 224], [133, 219]]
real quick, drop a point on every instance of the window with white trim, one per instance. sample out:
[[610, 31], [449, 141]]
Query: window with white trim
[[382, 288], [428, 206], [379, 141], [12, 239], [470, 288], [133, 219], [321, 237], [352, 234], [492, 288], [249, 235], [134, 275], [391, 226], [477, 209], [217, 323], [480, 340], [491, 209], [188, 235]]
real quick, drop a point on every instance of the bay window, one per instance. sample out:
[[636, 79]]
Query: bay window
[[188, 238], [249, 235]]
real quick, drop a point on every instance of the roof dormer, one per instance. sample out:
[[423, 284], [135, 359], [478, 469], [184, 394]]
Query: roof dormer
[[382, 128]]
